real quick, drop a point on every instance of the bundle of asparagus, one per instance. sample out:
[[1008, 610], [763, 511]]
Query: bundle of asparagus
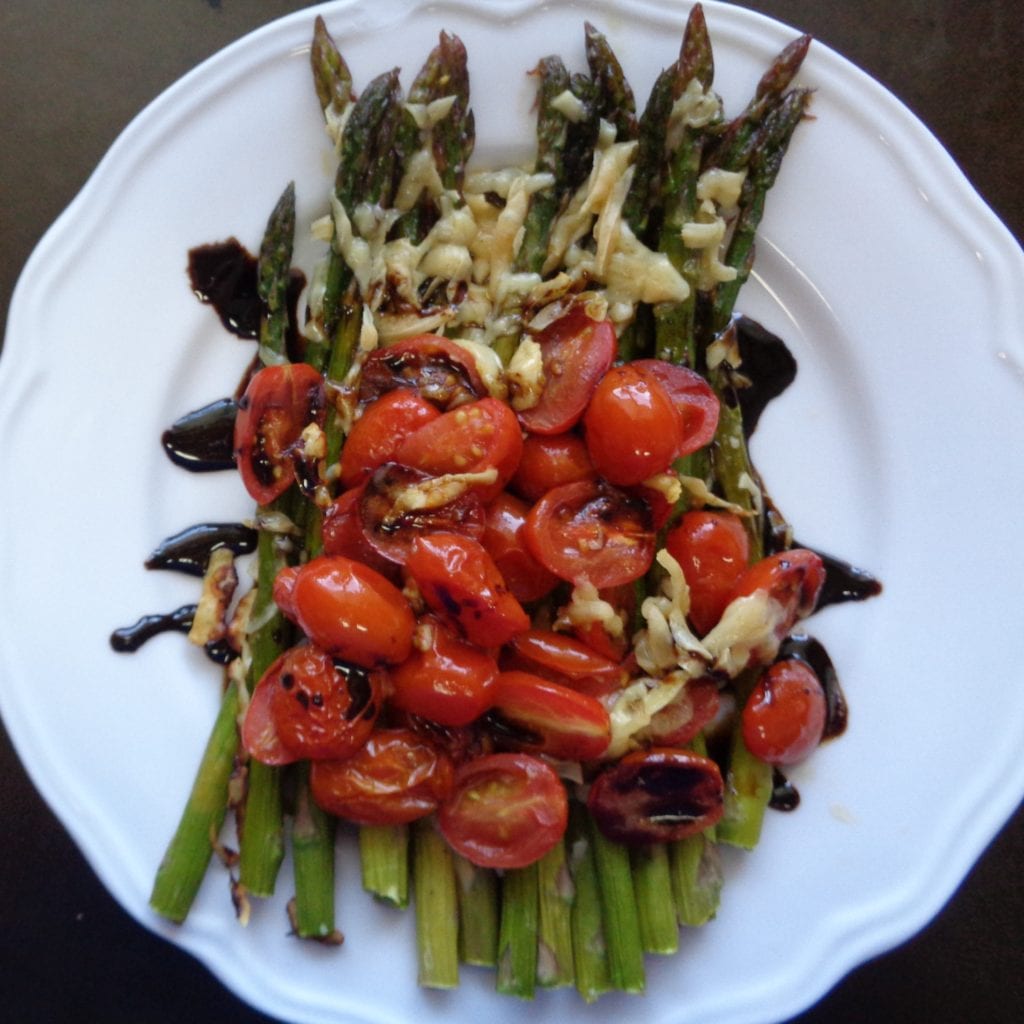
[[681, 191]]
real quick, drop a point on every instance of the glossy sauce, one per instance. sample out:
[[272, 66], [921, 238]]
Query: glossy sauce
[[203, 441], [129, 639], [189, 551]]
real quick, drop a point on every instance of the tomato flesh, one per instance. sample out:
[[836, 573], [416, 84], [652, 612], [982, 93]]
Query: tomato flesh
[[695, 402], [793, 578], [548, 462], [525, 577], [564, 659], [784, 717], [439, 369], [505, 811], [395, 778]]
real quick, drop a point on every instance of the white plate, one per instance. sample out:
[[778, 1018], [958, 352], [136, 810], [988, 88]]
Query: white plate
[[900, 295]]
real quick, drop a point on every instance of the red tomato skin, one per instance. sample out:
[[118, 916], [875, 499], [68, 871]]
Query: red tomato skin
[[657, 795], [566, 660], [794, 578], [460, 581], [278, 404], [550, 461], [505, 811], [284, 590], [449, 682], [342, 533], [561, 722], [470, 439], [695, 402], [632, 428], [525, 577], [576, 352], [395, 778], [260, 738], [351, 611], [784, 717], [679, 723], [713, 550], [439, 369], [380, 431], [587, 531]]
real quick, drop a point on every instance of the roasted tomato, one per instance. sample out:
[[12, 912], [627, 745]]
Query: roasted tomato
[[473, 438], [589, 531], [713, 549], [310, 705], [576, 353], [460, 581], [695, 403], [633, 430], [534, 714], [525, 577], [549, 462], [396, 777], [505, 811], [445, 679], [680, 721], [441, 371], [399, 503], [342, 534], [378, 434], [784, 717], [792, 578], [278, 404], [656, 796], [564, 659], [347, 609]]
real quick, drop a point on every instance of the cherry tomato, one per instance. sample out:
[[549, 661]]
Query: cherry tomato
[[564, 659], [442, 371], [590, 531], [505, 811], [679, 722], [712, 548], [792, 578], [445, 679], [537, 715], [784, 717], [657, 795], [390, 527], [460, 581], [348, 610], [380, 431], [548, 462], [633, 430], [396, 777], [525, 577], [470, 439], [576, 353], [695, 402], [278, 404], [342, 533], [310, 705]]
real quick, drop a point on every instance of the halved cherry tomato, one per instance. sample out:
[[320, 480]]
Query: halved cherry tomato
[[657, 795], [591, 531], [470, 439], [396, 777], [576, 353], [342, 533], [310, 705], [793, 578], [632, 427], [278, 404], [380, 431], [525, 577], [784, 717], [679, 722], [537, 715], [712, 549], [460, 581], [695, 402], [348, 609], [442, 371], [564, 659], [445, 679], [548, 462], [505, 811], [391, 522]]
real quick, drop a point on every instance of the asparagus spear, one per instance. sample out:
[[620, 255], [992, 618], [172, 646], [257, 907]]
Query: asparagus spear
[[312, 910], [615, 101], [517, 938], [555, 956], [589, 951], [478, 913], [652, 882], [436, 910], [331, 76]]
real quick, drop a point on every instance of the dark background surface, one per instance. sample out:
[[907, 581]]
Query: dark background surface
[[72, 74]]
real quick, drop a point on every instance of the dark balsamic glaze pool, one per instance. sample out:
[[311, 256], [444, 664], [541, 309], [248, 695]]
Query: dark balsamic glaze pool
[[224, 276]]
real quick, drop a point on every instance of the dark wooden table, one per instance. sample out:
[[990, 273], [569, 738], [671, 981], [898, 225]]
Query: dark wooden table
[[72, 75]]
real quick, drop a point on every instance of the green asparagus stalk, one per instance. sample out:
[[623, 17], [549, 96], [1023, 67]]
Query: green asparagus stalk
[[554, 955], [652, 882], [313, 857], [615, 102], [517, 938], [589, 951], [478, 913], [696, 870], [331, 76], [184, 864], [384, 860], [434, 885]]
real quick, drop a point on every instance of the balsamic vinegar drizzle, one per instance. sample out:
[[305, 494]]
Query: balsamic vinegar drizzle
[[223, 275], [129, 639], [203, 441], [190, 550]]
